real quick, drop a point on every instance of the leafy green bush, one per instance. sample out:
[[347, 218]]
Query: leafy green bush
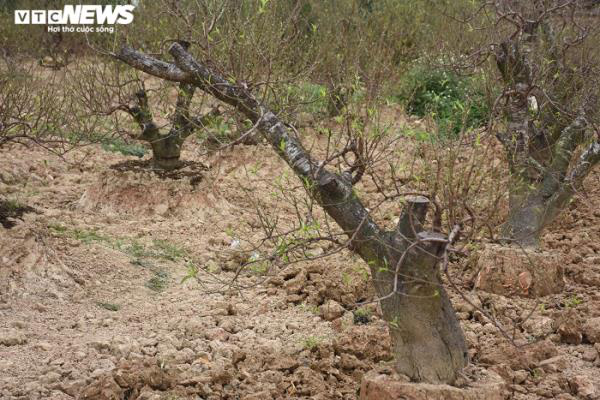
[[456, 103]]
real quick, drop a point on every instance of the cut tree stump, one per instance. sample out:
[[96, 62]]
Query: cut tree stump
[[509, 271], [378, 385]]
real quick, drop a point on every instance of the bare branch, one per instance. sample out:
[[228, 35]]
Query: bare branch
[[588, 159], [143, 116], [150, 65]]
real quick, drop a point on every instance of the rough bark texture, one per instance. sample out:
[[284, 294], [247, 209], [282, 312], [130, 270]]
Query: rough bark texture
[[166, 147], [428, 340], [540, 145]]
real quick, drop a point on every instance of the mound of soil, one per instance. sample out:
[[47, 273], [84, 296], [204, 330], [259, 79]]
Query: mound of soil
[[142, 191], [188, 169]]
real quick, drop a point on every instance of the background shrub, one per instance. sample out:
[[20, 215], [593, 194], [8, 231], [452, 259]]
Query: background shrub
[[456, 103]]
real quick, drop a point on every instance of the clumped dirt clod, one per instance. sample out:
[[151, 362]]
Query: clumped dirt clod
[[11, 210]]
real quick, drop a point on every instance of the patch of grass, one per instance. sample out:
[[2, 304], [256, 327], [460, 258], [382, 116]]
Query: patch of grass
[[218, 130], [160, 248], [312, 342], [259, 268], [420, 135], [362, 316], [361, 270], [573, 301], [346, 279], [13, 205], [158, 282], [314, 309], [109, 306], [135, 249], [169, 251], [312, 98], [117, 145], [89, 236], [57, 228]]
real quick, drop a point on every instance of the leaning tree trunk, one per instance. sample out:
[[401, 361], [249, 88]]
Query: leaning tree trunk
[[428, 341]]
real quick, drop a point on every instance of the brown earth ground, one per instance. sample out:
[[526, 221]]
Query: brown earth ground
[[92, 303]]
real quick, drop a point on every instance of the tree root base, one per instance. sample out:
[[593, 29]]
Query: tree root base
[[383, 384]]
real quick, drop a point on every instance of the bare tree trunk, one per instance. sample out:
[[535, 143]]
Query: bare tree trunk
[[539, 145], [428, 341], [166, 152], [166, 148], [526, 214]]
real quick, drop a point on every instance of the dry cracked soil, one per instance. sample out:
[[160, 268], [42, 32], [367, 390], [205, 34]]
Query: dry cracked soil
[[94, 303]]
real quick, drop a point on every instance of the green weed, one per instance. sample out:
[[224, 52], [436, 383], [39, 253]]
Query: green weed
[[456, 103], [218, 129], [362, 316], [117, 145], [109, 306], [89, 236], [192, 272], [312, 98], [158, 282], [573, 301], [312, 342], [169, 251], [313, 309], [259, 268]]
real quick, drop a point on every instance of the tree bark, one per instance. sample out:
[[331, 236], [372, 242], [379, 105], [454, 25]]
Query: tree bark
[[539, 192], [428, 341], [543, 175], [166, 148]]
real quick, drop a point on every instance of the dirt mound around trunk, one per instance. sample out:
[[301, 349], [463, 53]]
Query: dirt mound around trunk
[[510, 271], [143, 193], [379, 385]]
